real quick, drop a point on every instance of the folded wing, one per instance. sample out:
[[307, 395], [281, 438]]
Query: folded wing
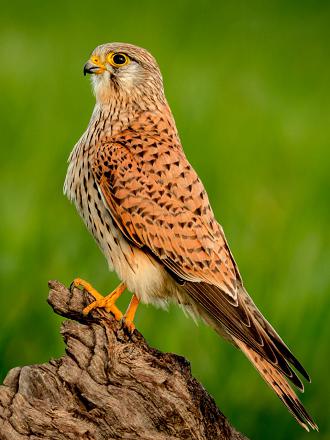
[[159, 203]]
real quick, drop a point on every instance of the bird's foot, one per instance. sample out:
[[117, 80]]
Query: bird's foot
[[104, 302], [128, 318], [129, 325]]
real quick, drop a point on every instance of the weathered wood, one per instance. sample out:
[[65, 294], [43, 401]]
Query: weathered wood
[[109, 385]]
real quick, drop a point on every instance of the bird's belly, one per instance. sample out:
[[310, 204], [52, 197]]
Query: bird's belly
[[142, 274]]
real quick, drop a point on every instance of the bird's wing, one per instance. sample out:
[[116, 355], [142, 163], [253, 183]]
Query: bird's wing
[[159, 203]]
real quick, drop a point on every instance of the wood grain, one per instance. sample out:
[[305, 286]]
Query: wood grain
[[108, 385]]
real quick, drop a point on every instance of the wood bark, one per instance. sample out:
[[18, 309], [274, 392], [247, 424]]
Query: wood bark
[[108, 385]]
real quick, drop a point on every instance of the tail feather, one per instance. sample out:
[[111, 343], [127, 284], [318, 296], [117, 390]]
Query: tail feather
[[288, 355], [278, 342], [279, 384]]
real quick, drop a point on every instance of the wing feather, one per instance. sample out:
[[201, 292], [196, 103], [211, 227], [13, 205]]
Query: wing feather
[[165, 207], [159, 203]]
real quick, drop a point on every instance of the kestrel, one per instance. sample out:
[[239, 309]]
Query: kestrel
[[149, 213]]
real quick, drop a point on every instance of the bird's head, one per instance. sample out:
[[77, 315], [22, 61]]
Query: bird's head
[[122, 71]]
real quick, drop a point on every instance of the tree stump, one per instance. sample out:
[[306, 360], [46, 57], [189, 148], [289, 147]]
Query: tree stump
[[109, 385]]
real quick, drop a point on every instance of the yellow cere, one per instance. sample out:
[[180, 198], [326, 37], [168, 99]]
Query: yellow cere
[[96, 60]]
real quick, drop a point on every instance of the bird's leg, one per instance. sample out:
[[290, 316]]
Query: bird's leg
[[130, 313], [106, 302]]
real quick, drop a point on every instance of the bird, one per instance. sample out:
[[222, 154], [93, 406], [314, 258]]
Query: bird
[[150, 215]]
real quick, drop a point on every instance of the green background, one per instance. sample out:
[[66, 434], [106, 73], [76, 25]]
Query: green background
[[248, 83]]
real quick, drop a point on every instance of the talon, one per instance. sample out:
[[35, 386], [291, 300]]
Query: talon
[[130, 313], [129, 325], [104, 302], [79, 282], [95, 304], [116, 313]]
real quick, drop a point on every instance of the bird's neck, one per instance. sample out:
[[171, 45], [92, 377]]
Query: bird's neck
[[110, 119]]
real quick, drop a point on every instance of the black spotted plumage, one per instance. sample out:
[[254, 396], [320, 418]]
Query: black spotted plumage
[[150, 214]]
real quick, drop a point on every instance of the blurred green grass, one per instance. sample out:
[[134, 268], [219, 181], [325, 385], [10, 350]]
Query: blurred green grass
[[248, 83]]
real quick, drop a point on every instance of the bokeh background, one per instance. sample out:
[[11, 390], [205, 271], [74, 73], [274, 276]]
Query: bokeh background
[[248, 83]]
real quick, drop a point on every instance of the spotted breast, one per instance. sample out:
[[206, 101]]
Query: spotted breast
[[142, 273]]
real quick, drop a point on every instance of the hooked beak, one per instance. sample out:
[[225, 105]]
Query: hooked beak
[[92, 68]]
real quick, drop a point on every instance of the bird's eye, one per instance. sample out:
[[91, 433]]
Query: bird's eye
[[118, 59]]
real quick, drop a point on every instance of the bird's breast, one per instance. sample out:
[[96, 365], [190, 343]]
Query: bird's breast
[[143, 275]]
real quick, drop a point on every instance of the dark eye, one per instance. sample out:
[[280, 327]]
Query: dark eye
[[118, 59]]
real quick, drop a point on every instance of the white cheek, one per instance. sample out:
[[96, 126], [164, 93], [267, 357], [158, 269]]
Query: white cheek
[[130, 76]]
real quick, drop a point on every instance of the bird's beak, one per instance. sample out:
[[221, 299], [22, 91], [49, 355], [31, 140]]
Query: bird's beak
[[92, 68]]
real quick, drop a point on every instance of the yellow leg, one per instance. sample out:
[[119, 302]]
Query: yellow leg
[[106, 302], [130, 313]]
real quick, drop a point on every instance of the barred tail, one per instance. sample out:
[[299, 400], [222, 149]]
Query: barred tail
[[281, 387]]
